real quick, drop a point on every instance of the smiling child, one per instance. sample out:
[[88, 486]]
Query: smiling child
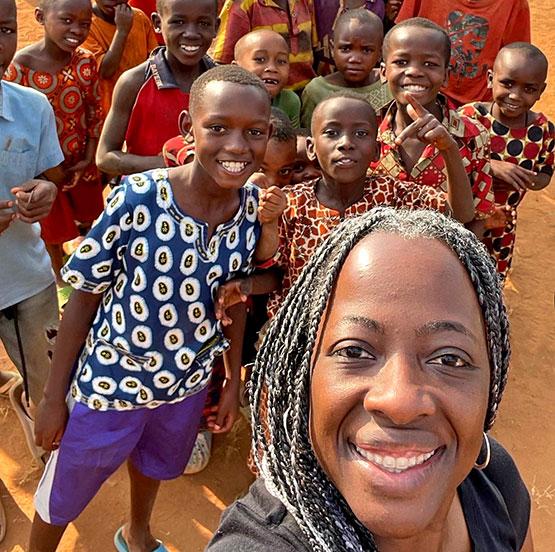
[[522, 141], [139, 332], [149, 98], [415, 63]]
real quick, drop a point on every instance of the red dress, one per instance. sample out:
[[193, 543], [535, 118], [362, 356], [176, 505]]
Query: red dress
[[73, 94], [530, 147]]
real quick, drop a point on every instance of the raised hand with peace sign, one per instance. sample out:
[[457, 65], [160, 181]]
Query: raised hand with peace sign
[[425, 127]]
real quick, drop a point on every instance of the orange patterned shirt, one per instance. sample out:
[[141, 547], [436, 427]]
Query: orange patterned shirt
[[306, 222]]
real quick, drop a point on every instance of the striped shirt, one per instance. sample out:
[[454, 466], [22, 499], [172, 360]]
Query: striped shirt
[[296, 25]]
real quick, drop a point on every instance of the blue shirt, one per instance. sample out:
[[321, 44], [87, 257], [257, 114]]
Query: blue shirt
[[155, 335], [28, 146]]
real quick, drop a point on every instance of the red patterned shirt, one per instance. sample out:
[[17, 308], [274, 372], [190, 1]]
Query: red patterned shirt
[[430, 169], [306, 222], [531, 147], [296, 25]]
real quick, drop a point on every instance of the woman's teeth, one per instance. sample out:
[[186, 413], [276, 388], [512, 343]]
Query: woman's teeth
[[395, 464]]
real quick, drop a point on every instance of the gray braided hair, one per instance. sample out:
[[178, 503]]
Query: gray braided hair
[[282, 373]]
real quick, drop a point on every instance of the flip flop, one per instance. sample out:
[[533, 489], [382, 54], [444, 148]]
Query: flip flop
[[3, 521], [10, 379], [40, 455], [121, 545]]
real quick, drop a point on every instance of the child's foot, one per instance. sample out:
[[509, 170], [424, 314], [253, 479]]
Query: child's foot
[[125, 541], [201, 453]]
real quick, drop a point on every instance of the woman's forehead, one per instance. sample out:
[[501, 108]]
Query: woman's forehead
[[417, 275]]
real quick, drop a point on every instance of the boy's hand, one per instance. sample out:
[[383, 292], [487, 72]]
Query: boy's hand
[[272, 202], [50, 423], [425, 127], [76, 173], [7, 214], [229, 294], [223, 416], [515, 175], [34, 199], [123, 18], [499, 219]]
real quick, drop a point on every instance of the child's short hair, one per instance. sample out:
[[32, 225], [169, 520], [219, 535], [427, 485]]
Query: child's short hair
[[282, 129], [224, 73], [160, 4], [257, 32], [419, 23], [349, 95], [304, 132], [362, 15], [531, 52]]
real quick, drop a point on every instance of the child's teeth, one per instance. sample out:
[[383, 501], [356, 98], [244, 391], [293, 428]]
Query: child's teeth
[[414, 87], [233, 166], [190, 48]]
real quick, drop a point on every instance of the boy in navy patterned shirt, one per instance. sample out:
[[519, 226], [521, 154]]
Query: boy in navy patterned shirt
[[140, 328]]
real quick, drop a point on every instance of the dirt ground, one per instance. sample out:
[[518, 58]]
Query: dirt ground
[[189, 508]]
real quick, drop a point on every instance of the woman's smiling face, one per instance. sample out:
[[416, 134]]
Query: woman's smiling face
[[400, 383]]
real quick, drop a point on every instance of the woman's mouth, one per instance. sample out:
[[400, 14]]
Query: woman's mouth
[[396, 464]]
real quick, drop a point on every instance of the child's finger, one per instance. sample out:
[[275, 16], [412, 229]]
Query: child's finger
[[407, 132], [418, 110]]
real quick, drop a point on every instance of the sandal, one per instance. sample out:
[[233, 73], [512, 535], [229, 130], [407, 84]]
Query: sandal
[[28, 425], [121, 544], [201, 453], [10, 379]]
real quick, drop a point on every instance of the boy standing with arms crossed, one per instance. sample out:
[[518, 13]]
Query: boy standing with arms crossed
[[140, 327]]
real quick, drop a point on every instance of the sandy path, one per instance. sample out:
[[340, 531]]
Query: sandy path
[[189, 508]]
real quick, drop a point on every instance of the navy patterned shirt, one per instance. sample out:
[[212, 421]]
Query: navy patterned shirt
[[155, 335]]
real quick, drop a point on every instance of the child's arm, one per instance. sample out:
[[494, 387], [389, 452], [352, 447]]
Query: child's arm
[[430, 131], [237, 291], [272, 202], [109, 155], [124, 21], [52, 413], [228, 406], [519, 177]]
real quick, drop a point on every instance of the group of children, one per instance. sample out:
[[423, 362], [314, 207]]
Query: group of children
[[219, 195]]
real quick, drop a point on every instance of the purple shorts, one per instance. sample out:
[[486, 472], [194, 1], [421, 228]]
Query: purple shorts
[[95, 444]]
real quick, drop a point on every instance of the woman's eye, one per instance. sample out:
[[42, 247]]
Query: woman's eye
[[352, 351], [451, 360]]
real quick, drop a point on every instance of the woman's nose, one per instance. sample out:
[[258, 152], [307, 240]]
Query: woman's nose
[[398, 392]]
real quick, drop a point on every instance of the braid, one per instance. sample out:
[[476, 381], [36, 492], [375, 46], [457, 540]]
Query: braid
[[280, 391]]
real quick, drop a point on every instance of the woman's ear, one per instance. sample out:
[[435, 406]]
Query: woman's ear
[[185, 123], [156, 22]]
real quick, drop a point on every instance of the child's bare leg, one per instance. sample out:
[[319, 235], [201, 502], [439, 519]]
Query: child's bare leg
[[143, 494], [45, 537], [57, 259]]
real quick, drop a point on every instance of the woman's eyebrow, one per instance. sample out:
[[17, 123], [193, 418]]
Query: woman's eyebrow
[[438, 326], [368, 323]]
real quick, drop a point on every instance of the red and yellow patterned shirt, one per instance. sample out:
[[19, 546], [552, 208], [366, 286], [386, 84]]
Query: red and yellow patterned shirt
[[297, 26], [306, 222], [430, 169]]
